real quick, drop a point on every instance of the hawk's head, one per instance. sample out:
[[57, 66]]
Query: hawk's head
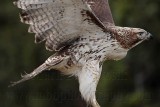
[[130, 37], [141, 34]]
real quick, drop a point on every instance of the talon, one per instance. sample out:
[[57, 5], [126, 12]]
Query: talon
[[23, 75], [25, 72], [12, 84], [30, 75]]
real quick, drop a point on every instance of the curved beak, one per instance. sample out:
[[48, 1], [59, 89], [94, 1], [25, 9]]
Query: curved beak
[[150, 36]]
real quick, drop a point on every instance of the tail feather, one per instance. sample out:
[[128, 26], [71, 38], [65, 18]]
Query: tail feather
[[31, 75]]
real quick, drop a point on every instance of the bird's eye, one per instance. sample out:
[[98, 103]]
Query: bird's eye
[[141, 33]]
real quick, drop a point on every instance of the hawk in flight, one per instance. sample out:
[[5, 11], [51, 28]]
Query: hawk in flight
[[82, 34]]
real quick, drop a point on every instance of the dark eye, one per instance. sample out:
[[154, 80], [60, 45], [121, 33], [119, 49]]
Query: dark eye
[[141, 33]]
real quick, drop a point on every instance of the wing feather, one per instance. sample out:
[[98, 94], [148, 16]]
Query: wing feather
[[57, 21], [102, 11]]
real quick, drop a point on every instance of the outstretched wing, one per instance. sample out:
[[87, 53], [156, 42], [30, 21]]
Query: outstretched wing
[[102, 11], [59, 21]]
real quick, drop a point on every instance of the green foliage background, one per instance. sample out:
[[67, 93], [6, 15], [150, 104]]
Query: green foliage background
[[131, 82]]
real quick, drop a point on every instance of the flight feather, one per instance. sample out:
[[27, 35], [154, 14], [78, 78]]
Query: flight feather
[[58, 22]]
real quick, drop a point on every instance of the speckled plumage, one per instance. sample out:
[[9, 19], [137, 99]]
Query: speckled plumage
[[83, 35]]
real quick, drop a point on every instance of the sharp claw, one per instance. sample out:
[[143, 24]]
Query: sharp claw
[[23, 75], [12, 84], [25, 72], [17, 82], [30, 75]]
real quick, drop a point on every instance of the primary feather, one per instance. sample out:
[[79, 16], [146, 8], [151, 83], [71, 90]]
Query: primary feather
[[56, 21]]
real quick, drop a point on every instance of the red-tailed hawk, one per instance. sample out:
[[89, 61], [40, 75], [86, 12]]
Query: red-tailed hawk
[[83, 35]]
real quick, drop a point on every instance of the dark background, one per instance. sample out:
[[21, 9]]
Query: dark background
[[131, 82]]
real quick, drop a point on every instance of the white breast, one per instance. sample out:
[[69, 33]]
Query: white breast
[[116, 54]]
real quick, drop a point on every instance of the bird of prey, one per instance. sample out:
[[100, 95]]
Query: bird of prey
[[82, 35]]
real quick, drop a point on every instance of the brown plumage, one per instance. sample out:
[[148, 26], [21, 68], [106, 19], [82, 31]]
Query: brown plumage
[[101, 10], [83, 35]]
